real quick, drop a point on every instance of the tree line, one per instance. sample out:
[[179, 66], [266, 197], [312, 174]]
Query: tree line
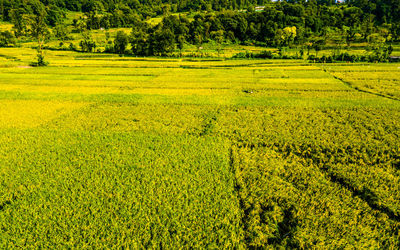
[[281, 25], [384, 11], [308, 25]]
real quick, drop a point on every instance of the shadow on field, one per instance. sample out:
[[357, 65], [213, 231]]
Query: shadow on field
[[4, 204], [286, 229]]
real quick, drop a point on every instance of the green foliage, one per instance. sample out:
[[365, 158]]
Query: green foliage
[[379, 54], [16, 16], [121, 42], [40, 61], [55, 16], [7, 39], [62, 32], [87, 44], [162, 42], [279, 24], [263, 55]]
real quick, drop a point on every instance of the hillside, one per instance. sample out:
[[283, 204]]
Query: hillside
[[285, 26]]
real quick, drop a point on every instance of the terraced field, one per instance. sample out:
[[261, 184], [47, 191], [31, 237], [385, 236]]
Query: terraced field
[[104, 151]]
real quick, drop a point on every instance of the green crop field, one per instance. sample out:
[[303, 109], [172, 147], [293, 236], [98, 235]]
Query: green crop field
[[102, 151]]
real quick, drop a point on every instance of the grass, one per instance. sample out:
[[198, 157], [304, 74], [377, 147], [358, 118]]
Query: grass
[[102, 151]]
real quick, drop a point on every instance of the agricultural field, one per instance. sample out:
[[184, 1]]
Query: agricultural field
[[101, 151], [380, 80]]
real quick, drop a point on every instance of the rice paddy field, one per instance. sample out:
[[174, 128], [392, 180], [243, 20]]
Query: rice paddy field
[[101, 151]]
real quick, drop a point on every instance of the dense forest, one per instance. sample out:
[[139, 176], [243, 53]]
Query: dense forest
[[382, 10], [308, 24]]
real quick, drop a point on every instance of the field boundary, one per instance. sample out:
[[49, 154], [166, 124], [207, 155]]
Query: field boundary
[[347, 83]]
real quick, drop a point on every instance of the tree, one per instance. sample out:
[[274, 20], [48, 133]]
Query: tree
[[38, 30], [61, 32], [7, 38], [396, 31], [367, 26], [290, 34], [336, 38], [285, 37], [218, 37], [180, 43], [87, 44], [351, 34], [139, 40], [166, 8], [19, 20], [54, 16], [121, 42], [93, 21], [318, 44], [381, 52], [162, 41], [2, 10]]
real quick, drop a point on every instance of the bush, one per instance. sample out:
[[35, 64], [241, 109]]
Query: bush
[[346, 57], [40, 62], [265, 54], [7, 39]]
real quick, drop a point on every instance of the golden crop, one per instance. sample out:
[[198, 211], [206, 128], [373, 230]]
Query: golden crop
[[99, 151], [32, 113]]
